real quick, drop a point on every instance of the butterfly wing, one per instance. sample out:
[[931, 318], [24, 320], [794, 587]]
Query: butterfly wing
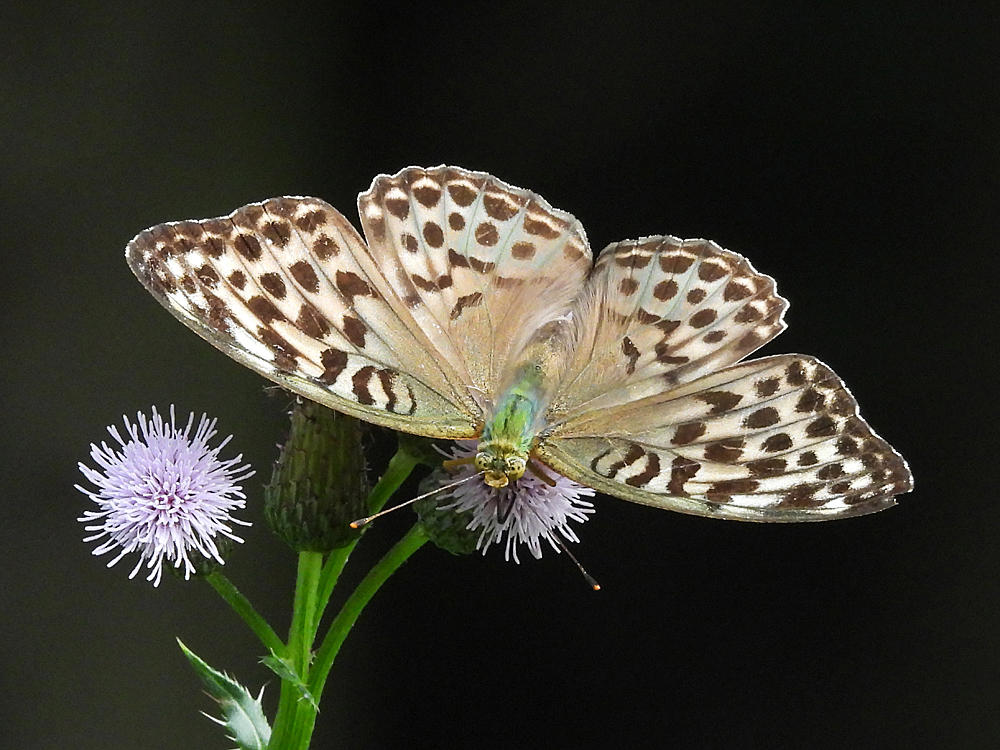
[[654, 411], [482, 261], [288, 288]]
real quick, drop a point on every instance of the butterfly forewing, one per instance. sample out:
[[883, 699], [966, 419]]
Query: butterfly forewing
[[774, 439], [287, 288], [480, 260]]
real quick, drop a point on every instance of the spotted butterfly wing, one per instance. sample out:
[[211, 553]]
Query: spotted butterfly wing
[[652, 408], [409, 330]]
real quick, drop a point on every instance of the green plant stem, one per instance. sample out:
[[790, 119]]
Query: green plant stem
[[245, 610], [293, 713], [348, 615]]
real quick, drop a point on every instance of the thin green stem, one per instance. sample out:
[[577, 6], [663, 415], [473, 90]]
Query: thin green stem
[[356, 602], [245, 610]]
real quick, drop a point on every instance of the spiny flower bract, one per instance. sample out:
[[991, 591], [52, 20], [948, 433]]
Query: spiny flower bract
[[525, 512], [164, 493]]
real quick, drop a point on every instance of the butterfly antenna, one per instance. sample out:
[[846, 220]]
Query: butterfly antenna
[[368, 519], [591, 581]]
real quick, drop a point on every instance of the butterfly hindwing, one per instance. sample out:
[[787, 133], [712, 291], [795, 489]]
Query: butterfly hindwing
[[659, 312], [773, 439]]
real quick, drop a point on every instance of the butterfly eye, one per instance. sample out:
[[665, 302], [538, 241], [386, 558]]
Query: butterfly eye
[[515, 466], [482, 462]]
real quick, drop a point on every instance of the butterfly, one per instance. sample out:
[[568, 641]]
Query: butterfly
[[475, 310]]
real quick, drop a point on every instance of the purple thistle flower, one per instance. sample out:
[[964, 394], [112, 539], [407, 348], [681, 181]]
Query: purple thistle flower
[[165, 494], [526, 512]]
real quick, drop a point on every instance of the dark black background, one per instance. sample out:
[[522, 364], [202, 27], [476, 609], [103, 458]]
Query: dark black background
[[852, 153]]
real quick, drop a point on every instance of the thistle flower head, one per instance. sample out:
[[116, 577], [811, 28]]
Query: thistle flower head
[[526, 512], [163, 493]]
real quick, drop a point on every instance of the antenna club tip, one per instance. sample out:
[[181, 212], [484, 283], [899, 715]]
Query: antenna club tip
[[595, 586]]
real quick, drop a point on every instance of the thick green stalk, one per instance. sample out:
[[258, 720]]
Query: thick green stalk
[[295, 714]]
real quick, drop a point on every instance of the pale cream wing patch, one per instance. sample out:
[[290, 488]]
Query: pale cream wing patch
[[659, 312], [287, 288], [774, 439], [483, 262]]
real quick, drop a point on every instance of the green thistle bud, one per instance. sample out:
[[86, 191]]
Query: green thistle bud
[[319, 483], [445, 527]]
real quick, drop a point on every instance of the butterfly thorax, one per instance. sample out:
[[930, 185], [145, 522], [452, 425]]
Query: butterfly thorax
[[510, 429]]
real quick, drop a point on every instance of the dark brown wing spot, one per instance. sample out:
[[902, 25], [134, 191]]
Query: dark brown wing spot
[[421, 283], [359, 385], [433, 234], [720, 401], [825, 426], [456, 221], [665, 290], [703, 317], [523, 250], [499, 207], [767, 387], [688, 433], [463, 195], [325, 247], [801, 496], [630, 351], [748, 314], [334, 362], [675, 263], [305, 275], [238, 279], [540, 227], [681, 470], [714, 337], [795, 374], [385, 378], [847, 446], [648, 474], [481, 266], [723, 491], [487, 234], [248, 246], [736, 291], [310, 221], [632, 259], [273, 284], [810, 400], [278, 232], [469, 300], [662, 352], [354, 330], [780, 441], [808, 458], [409, 242], [708, 271], [207, 275], [762, 418], [633, 454], [696, 295], [628, 286], [284, 353], [457, 260], [830, 471], [311, 322], [725, 451], [427, 195], [767, 467], [264, 309], [398, 207], [351, 285]]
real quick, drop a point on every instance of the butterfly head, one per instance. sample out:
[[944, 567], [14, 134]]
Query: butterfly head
[[500, 463]]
